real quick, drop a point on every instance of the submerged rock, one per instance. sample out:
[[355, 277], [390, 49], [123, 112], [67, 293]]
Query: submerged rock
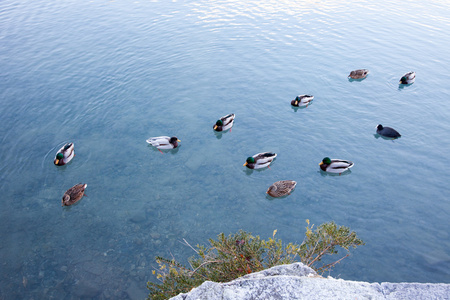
[[137, 216], [155, 235], [87, 289], [136, 292], [297, 281]]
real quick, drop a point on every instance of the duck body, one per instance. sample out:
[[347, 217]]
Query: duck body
[[64, 155], [164, 142], [224, 123], [74, 194], [337, 166], [260, 160], [302, 100], [408, 78], [388, 132], [359, 74], [281, 188]]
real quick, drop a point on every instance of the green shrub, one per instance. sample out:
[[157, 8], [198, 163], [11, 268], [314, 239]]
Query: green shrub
[[235, 255]]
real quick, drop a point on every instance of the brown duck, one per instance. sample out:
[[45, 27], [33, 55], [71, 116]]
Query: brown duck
[[74, 194], [281, 188], [358, 74]]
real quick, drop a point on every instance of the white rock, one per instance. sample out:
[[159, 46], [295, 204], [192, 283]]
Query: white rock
[[297, 281]]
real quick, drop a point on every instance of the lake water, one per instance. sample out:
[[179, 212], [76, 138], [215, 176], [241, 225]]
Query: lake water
[[107, 75]]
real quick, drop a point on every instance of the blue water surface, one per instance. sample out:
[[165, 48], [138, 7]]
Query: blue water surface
[[107, 75]]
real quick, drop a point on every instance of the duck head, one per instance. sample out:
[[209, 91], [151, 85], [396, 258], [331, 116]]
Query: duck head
[[65, 199], [58, 158], [250, 160], [174, 141], [271, 189], [403, 80], [218, 123], [325, 161]]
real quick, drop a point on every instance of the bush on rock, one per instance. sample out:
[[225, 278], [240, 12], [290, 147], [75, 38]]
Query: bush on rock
[[235, 255]]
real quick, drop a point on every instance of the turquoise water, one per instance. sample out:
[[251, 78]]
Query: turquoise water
[[107, 75]]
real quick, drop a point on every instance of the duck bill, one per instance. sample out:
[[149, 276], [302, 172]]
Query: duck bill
[[296, 102], [56, 161], [321, 163], [215, 127], [178, 140], [246, 163]]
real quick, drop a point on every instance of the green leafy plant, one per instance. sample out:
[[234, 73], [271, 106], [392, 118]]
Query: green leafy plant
[[235, 255]]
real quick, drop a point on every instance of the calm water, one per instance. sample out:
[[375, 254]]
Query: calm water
[[107, 75]]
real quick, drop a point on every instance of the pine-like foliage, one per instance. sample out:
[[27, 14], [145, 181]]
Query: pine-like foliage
[[235, 255]]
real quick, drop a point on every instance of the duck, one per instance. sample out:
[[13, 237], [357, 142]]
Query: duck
[[359, 74], [164, 142], [260, 160], [64, 155], [335, 165], [74, 194], [388, 132], [408, 78], [281, 188], [224, 123], [302, 100]]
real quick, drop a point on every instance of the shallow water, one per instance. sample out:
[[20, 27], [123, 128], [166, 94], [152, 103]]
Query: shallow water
[[108, 75]]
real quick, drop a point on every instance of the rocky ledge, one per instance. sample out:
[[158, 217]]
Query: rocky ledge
[[297, 281]]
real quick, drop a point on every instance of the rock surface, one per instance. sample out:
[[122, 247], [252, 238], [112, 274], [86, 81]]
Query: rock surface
[[297, 281]]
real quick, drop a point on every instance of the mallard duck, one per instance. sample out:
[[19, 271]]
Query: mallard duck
[[302, 100], [408, 78], [388, 132], [335, 165], [281, 188], [64, 155], [224, 123], [164, 142], [260, 160], [359, 74], [74, 194]]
